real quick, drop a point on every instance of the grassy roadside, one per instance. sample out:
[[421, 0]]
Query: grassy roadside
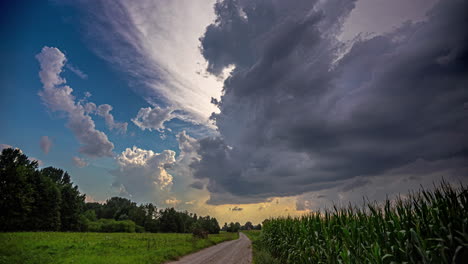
[[97, 248], [259, 254]]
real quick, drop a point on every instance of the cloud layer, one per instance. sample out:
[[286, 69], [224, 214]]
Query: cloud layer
[[295, 117]]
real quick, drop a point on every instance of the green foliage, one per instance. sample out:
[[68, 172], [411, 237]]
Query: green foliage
[[100, 248], [45, 209], [260, 254], [111, 225], [198, 231], [32, 199], [16, 189], [427, 227], [233, 227]]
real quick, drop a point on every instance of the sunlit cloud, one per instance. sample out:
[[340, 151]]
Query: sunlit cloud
[[156, 42]]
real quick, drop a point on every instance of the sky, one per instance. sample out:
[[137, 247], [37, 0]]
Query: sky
[[239, 109]]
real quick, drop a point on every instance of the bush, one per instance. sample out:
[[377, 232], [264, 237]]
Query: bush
[[198, 231], [111, 225], [94, 226], [139, 229]]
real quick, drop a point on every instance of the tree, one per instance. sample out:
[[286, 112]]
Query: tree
[[233, 227], [45, 213], [16, 190], [248, 226], [72, 201], [169, 221]]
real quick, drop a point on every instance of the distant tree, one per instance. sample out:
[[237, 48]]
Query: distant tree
[[169, 221], [248, 226], [138, 215], [90, 215], [225, 227], [117, 206], [233, 227], [258, 227], [151, 218]]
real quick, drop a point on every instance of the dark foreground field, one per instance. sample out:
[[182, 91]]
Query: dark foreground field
[[60, 247]]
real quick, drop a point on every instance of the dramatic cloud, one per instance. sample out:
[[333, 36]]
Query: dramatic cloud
[[79, 162], [156, 43], [142, 173], [104, 111], [153, 118], [197, 185], [46, 144], [58, 97], [374, 17], [299, 116], [391, 184]]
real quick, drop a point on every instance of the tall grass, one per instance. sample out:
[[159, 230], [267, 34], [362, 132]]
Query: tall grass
[[425, 227]]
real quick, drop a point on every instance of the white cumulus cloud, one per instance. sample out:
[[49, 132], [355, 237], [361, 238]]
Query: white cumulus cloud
[[153, 118], [142, 173], [104, 111]]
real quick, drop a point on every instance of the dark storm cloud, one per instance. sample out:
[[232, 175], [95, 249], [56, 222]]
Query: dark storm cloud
[[236, 208], [296, 119], [197, 185]]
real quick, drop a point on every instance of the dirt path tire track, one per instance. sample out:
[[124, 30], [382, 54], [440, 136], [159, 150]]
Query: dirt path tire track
[[237, 251]]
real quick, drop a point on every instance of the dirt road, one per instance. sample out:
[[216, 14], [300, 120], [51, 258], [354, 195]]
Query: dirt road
[[231, 252]]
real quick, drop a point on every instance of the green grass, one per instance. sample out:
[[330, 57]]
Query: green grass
[[260, 255], [427, 227], [116, 248]]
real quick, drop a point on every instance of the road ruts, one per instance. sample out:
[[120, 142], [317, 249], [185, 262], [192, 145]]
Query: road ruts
[[237, 251]]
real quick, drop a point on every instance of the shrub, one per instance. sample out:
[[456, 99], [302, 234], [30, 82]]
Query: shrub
[[111, 225], [139, 229], [198, 231]]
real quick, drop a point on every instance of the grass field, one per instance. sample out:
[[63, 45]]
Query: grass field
[[135, 248]]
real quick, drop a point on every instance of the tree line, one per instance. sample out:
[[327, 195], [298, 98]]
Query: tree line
[[33, 199], [236, 227]]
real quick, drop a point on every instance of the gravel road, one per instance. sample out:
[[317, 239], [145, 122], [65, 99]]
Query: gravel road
[[237, 251]]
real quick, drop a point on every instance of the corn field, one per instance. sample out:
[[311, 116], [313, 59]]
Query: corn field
[[426, 227]]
